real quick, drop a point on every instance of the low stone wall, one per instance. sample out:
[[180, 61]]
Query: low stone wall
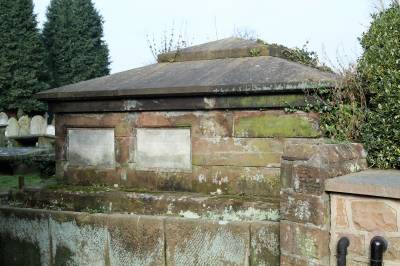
[[360, 219], [38, 237], [305, 206], [365, 205]]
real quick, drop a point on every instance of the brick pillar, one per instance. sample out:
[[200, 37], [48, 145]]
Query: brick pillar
[[305, 208]]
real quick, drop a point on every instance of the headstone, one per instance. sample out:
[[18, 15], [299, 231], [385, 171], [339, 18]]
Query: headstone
[[163, 149], [51, 130], [3, 119], [24, 125], [38, 125], [12, 128], [91, 147], [20, 113]]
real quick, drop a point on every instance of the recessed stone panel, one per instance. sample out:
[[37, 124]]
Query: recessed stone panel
[[91, 147], [163, 149]]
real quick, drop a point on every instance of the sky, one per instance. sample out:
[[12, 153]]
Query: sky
[[331, 27]]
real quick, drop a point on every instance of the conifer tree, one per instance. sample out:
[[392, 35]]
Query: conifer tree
[[22, 57], [73, 36]]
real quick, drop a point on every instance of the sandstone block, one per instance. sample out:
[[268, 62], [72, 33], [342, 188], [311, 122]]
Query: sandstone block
[[256, 124], [202, 124], [357, 243], [304, 240], [237, 152], [264, 243], [370, 215], [340, 218], [303, 208]]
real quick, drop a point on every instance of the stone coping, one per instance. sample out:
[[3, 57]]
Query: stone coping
[[32, 136], [378, 183]]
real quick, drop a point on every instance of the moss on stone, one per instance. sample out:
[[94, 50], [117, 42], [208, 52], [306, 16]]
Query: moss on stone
[[275, 126], [264, 101]]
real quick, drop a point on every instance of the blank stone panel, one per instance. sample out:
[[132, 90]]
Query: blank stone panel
[[163, 149], [91, 147]]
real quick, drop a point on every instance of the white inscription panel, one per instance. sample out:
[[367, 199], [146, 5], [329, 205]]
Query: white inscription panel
[[91, 147], [163, 149]]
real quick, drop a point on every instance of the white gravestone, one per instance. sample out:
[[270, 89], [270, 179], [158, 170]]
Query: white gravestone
[[50, 130], [12, 128], [91, 147], [38, 125], [163, 149], [3, 119], [24, 123]]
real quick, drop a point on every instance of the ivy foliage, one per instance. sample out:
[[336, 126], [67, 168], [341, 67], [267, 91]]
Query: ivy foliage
[[22, 57], [73, 36], [379, 68]]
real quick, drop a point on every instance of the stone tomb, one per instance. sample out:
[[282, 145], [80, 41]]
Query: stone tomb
[[210, 120]]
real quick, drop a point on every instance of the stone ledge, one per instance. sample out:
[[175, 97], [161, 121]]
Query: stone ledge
[[379, 183]]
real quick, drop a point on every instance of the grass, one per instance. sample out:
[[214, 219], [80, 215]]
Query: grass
[[8, 182]]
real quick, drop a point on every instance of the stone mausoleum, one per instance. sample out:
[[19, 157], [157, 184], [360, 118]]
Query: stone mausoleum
[[202, 152]]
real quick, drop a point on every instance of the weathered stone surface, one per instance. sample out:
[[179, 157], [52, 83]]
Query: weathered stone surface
[[303, 208], [38, 125], [135, 240], [339, 206], [371, 216], [12, 128], [197, 242], [287, 260], [24, 123], [303, 240], [264, 244], [264, 124], [393, 252], [91, 147], [20, 230], [357, 243], [208, 124], [123, 123], [237, 151], [3, 119], [163, 149], [67, 238]]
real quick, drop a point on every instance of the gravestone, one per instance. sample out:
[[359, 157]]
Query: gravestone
[[3, 119], [12, 128], [24, 126], [51, 130], [3, 125], [38, 125]]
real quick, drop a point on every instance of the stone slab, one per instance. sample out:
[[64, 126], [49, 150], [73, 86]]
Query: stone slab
[[265, 243], [200, 242], [91, 147], [379, 183], [163, 149]]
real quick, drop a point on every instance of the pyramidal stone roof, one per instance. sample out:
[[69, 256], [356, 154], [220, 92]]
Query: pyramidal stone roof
[[229, 66]]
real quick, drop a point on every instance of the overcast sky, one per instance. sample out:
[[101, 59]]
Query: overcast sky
[[331, 27]]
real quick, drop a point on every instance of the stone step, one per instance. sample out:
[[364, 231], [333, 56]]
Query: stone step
[[189, 205]]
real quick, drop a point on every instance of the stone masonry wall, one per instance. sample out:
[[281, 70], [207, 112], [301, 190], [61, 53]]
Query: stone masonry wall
[[360, 218], [305, 207], [232, 152], [39, 237]]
